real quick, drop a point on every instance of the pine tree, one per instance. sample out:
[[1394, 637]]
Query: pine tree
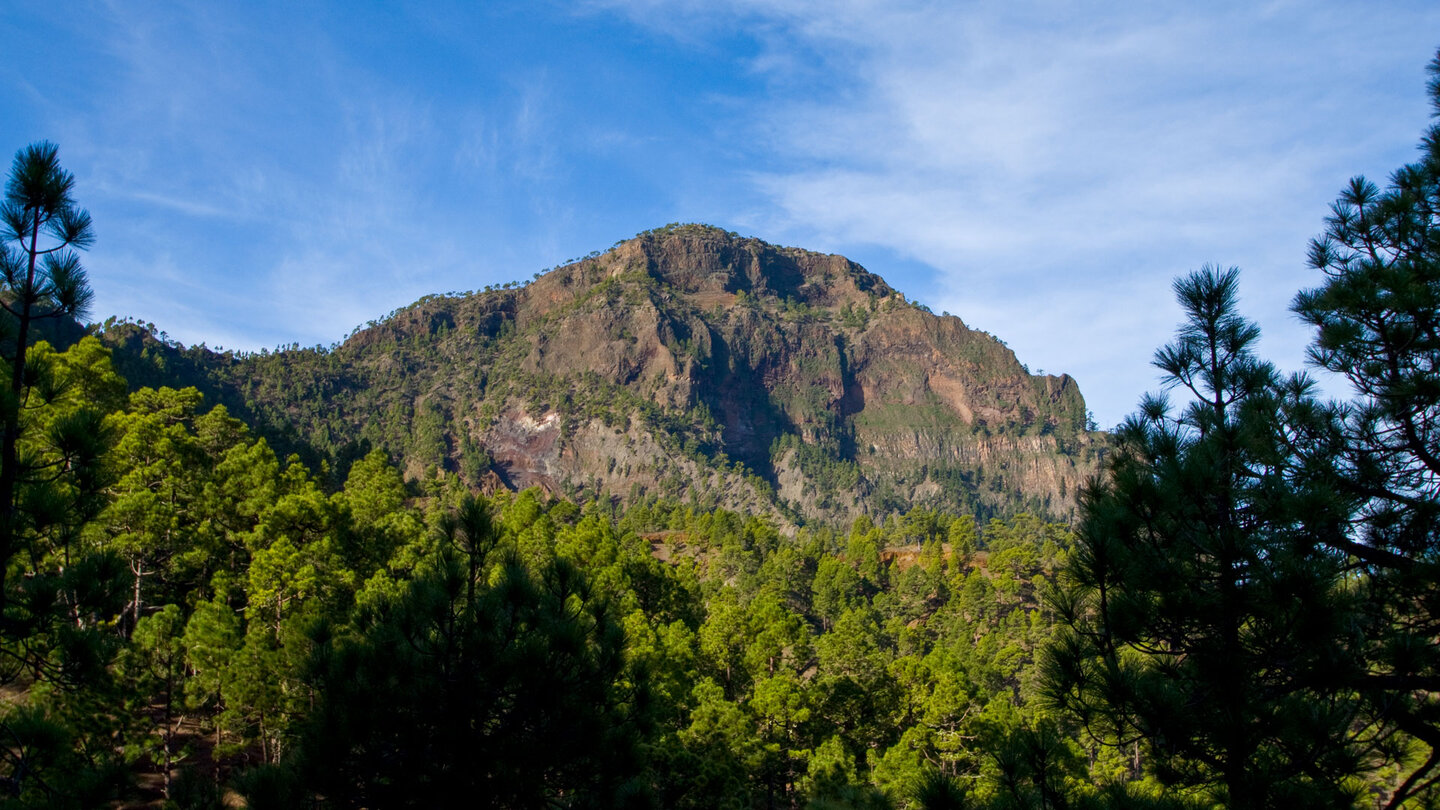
[[1197, 616], [1377, 320], [42, 279], [491, 681]]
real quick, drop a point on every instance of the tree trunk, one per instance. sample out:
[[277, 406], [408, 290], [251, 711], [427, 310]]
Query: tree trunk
[[9, 445], [137, 567]]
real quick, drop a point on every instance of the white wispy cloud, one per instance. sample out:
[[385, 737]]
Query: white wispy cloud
[[314, 173], [1059, 165]]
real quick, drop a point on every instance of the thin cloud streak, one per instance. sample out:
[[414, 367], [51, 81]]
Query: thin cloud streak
[[319, 169], [1044, 160]]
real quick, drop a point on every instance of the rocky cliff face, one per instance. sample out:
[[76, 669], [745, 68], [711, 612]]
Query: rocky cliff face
[[696, 364]]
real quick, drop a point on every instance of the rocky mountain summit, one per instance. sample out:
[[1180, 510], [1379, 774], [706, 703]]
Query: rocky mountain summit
[[686, 362]]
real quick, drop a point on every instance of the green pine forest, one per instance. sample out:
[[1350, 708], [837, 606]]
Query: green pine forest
[[1245, 611]]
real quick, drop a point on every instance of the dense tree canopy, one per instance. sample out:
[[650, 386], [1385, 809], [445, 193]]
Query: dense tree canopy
[[243, 629]]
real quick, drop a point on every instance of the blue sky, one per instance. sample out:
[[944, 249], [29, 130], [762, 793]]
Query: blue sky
[[263, 173]]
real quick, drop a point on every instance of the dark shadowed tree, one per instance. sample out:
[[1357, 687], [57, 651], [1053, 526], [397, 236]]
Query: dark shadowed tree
[[57, 597], [1377, 320], [1202, 605], [489, 683], [42, 278]]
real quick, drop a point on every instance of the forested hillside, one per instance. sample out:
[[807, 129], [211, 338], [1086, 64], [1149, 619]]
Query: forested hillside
[[375, 648]]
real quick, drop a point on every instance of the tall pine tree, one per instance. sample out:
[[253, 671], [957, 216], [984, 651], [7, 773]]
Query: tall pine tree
[[1196, 616], [42, 279], [1377, 320]]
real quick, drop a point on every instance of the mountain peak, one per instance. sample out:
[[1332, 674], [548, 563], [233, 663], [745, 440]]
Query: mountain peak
[[697, 258], [692, 363]]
